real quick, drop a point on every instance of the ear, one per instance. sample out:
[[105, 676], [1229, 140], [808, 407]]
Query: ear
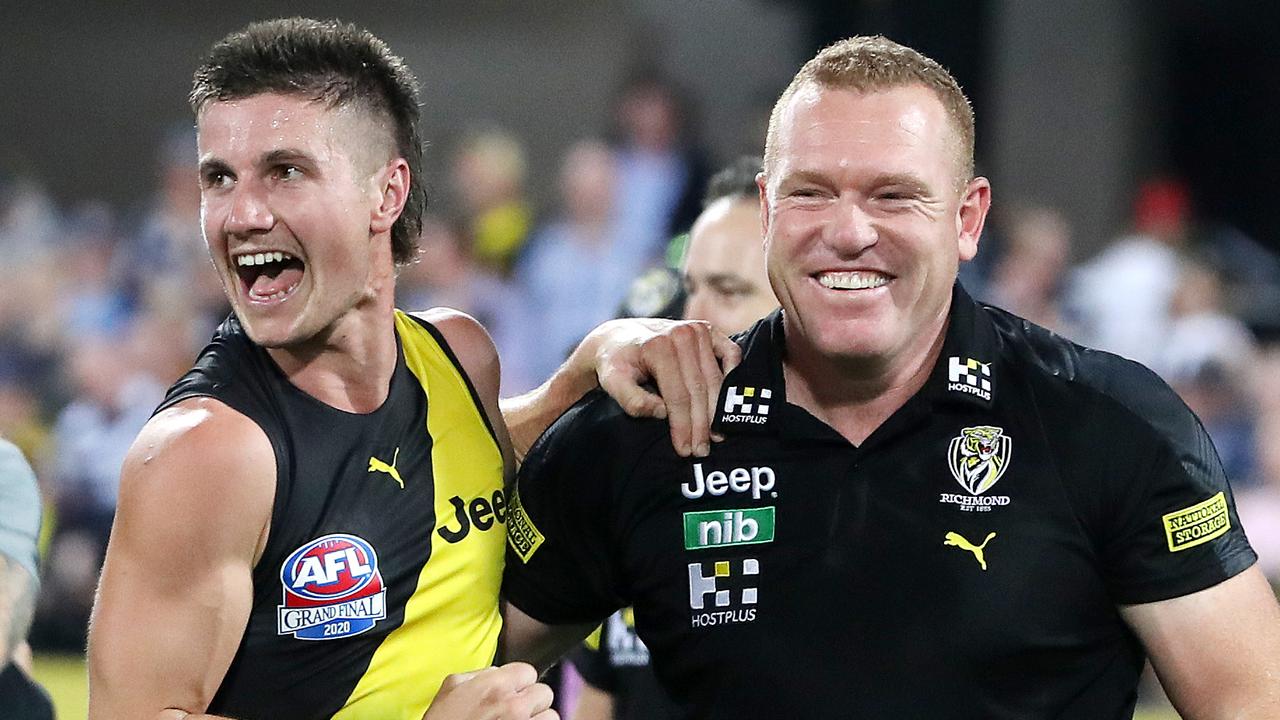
[[762, 183], [972, 215], [393, 184]]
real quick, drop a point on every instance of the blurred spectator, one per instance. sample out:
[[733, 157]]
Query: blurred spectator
[[1259, 503], [1122, 297], [578, 267], [29, 222], [1206, 358], [1028, 277], [166, 261], [661, 171], [489, 176], [91, 436], [92, 299], [446, 274]]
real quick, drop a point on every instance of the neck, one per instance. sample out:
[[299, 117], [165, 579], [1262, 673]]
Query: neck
[[856, 395], [349, 364]]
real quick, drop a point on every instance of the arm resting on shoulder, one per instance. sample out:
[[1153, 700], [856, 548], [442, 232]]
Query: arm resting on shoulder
[[196, 493], [686, 360], [1216, 651]]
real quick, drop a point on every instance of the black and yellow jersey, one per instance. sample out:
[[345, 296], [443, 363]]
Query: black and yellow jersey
[[967, 560], [382, 567]]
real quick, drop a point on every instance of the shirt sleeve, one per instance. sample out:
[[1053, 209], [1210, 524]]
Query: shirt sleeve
[[19, 508], [561, 565], [1172, 527]]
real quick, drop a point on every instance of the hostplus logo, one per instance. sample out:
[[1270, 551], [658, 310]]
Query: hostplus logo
[[969, 376], [746, 404], [723, 592]]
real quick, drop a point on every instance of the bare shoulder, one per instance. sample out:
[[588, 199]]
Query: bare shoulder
[[471, 344], [203, 471]]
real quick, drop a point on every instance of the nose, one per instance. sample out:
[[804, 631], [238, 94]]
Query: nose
[[852, 229], [250, 212]]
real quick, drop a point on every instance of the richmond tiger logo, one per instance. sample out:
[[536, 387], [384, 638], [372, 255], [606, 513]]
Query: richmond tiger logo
[[978, 457]]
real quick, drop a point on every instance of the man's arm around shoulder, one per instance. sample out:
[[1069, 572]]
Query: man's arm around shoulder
[[1216, 651], [196, 494]]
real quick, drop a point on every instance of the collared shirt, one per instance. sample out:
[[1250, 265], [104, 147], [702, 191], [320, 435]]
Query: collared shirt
[[965, 561]]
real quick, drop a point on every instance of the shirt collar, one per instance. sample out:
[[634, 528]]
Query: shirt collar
[[966, 371]]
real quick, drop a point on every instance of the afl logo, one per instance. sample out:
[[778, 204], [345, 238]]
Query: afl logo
[[332, 589]]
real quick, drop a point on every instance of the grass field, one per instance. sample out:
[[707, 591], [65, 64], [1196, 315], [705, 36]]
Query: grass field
[[64, 677]]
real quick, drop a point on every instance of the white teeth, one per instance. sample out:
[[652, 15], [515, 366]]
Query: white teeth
[[852, 280], [251, 259]]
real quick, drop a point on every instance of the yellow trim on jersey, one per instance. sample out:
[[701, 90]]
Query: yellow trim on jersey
[[451, 623]]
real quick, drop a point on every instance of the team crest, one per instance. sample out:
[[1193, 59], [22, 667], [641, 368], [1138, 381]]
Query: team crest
[[978, 457], [332, 589]]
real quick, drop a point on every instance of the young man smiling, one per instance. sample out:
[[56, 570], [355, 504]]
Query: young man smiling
[[964, 515], [312, 523]]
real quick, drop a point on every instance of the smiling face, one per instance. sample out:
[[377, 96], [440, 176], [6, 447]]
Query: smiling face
[[293, 212], [865, 221]]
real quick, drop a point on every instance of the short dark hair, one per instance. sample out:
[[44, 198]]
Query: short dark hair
[[332, 62], [737, 180]]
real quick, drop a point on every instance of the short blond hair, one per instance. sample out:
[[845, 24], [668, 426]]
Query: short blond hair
[[870, 63]]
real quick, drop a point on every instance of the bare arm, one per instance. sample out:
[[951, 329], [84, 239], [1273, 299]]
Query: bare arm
[[17, 603], [195, 503], [679, 357], [525, 639], [593, 704], [1217, 651]]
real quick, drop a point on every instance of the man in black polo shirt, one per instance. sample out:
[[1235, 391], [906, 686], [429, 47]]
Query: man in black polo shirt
[[924, 507]]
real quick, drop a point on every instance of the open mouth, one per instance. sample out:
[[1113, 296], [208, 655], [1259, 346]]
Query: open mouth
[[853, 280], [267, 277]]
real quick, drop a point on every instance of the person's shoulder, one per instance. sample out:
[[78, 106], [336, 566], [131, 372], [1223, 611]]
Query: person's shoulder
[[1102, 385], [467, 340], [200, 458]]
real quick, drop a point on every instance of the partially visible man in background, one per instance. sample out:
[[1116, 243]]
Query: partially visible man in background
[[20, 697], [725, 283]]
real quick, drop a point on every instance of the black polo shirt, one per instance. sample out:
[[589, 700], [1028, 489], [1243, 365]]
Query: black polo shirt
[[966, 561]]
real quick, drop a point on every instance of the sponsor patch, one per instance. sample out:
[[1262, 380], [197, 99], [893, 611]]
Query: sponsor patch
[[746, 404], [1197, 524], [332, 589], [723, 592], [977, 459], [754, 480], [723, 528], [522, 534], [969, 376]]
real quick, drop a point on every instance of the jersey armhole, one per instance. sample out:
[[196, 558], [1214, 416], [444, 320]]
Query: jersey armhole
[[453, 360]]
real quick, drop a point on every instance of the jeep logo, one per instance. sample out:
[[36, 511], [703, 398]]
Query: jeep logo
[[756, 480], [481, 512]]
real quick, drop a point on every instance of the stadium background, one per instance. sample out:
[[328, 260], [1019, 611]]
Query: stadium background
[[1096, 121]]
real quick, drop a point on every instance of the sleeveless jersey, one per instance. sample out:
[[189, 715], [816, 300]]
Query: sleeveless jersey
[[381, 571]]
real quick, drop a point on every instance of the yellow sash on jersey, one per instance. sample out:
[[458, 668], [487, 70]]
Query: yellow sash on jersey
[[452, 621]]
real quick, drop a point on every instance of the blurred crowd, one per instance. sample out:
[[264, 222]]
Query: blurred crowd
[[103, 307]]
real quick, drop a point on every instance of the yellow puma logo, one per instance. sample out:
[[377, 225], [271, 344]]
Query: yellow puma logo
[[379, 466], [957, 540]]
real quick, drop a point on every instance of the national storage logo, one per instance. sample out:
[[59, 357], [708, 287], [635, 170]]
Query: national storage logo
[[723, 528], [1197, 524]]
